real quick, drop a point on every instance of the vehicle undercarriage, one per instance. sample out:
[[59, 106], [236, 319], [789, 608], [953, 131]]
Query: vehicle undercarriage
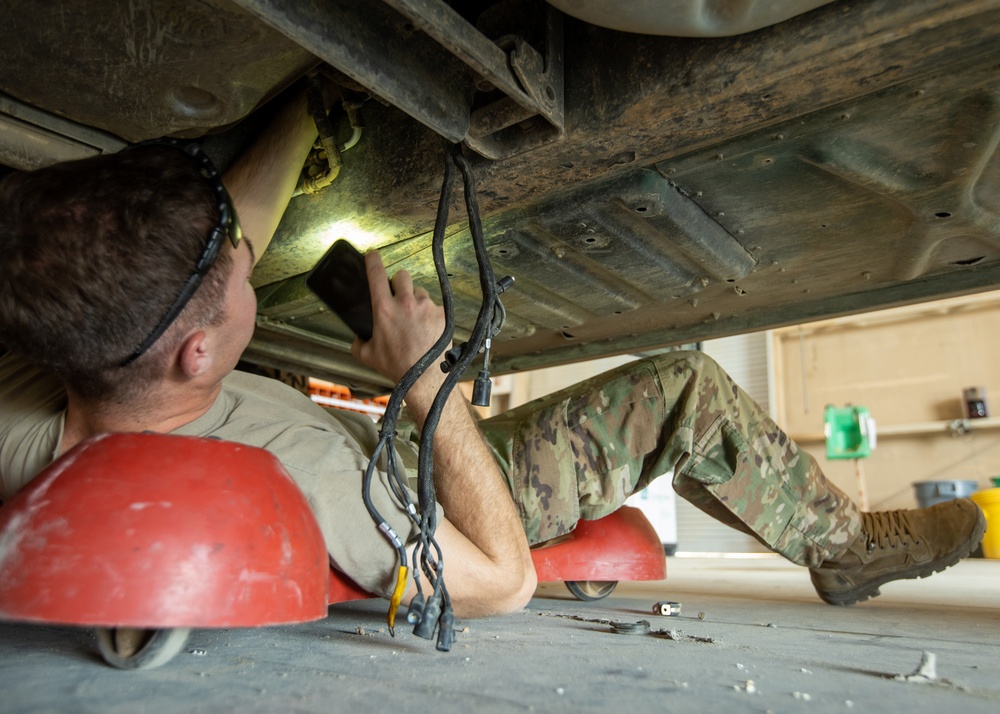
[[644, 190]]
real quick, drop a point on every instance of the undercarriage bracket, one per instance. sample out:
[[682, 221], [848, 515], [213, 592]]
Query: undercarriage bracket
[[520, 90]]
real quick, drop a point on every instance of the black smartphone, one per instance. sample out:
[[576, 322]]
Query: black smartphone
[[340, 281]]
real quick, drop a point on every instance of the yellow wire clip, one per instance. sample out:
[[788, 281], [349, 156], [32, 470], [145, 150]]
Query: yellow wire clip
[[397, 598]]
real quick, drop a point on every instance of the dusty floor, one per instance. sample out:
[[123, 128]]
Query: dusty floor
[[765, 644]]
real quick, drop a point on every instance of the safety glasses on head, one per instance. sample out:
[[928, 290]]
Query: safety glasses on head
[[227, 226]]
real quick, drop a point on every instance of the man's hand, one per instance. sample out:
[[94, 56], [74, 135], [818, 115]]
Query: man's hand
[[406, 323]]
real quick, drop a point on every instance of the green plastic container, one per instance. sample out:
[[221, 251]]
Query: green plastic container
[[850, 432]]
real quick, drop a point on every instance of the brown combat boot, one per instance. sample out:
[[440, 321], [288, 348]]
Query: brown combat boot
[[894, 545]]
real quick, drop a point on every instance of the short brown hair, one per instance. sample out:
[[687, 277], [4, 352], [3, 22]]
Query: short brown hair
[[92, 254]]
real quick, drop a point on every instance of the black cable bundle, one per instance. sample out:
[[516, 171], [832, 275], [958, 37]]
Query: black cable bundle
[[434, 612]]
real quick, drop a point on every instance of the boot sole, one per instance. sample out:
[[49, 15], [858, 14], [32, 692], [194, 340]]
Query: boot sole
[[924, 570]]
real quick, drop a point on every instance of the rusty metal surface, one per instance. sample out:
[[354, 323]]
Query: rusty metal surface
[[866, 204], [31, 138], [634, 100], [142, 69], [426, 59], [887, 198]]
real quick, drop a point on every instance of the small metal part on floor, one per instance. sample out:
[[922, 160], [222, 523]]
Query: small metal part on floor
[[667, 608]]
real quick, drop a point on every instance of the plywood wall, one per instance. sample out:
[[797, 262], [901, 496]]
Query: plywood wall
[[908, 366]]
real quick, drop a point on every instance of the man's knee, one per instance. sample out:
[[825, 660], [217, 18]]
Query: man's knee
[[688, 365]]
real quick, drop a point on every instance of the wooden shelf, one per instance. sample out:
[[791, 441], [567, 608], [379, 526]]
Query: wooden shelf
[[951, 427]]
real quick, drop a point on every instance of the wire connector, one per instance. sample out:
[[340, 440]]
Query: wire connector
[[416, 612], [505, 283], [446, 631], [432, 613], [481, 389], [452, 356]]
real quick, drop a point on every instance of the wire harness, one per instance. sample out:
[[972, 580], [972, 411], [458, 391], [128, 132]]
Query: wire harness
[[431, 611]]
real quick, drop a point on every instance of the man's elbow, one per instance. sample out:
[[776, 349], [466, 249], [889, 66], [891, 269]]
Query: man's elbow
[[528, 587], [522, 589], [504, 592]]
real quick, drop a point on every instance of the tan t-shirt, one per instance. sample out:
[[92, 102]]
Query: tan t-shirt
[[325, 452]]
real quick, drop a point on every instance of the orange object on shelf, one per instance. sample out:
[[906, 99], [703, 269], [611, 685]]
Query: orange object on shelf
[[322, 388], [338, 396]]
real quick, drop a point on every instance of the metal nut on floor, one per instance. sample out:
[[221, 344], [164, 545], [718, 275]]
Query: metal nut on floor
[[667, 608]]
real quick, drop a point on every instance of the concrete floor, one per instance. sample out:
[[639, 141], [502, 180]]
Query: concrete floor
[[765, 644]]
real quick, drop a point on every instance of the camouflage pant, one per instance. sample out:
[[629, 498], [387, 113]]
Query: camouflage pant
[[579, 453]]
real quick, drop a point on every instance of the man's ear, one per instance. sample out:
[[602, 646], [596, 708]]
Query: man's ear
[[193, 357]]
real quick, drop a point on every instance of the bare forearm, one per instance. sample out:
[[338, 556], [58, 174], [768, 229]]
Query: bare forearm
[[478, 503], [471, 488], [262, 179]]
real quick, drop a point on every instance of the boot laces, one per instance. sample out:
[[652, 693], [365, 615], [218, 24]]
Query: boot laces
[[887, 529]]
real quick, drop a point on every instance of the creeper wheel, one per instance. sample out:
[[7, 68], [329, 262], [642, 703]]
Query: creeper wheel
[[133, 648], [590, 590]]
